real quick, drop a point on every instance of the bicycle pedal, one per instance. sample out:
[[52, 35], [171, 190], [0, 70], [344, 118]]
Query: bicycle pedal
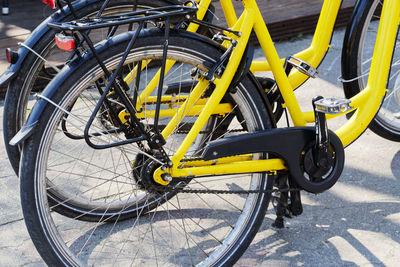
[[333, 105], [302, 66]]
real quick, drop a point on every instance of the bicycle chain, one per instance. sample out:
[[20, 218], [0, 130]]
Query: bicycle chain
[[180, 189], [216, 132], [218, 191], [215, 191]]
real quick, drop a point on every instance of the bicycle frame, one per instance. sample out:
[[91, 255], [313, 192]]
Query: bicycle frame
[[313, 54], [365, 104]]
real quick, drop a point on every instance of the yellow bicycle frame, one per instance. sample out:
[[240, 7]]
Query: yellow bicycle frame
[[365, 104], [313, 55]]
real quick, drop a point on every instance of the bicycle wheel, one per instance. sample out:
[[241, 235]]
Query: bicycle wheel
[[356, 61], [188, 229], [35, 73]]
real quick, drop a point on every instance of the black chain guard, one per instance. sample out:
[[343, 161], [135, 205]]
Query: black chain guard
[[290, 144]]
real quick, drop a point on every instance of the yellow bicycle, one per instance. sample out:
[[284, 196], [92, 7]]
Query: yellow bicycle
[[165, 145]]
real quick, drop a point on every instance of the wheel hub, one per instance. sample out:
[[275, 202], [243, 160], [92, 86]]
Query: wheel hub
[[143, 171]]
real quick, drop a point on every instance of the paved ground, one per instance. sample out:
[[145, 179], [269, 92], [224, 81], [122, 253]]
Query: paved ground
[[356, 223]]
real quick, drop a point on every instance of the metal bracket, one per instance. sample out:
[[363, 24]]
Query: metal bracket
[[39, 56], [38, 96], [216, 70]]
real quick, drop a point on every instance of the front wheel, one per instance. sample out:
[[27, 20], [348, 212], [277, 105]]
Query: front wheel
[[357, 53], [183, 230]]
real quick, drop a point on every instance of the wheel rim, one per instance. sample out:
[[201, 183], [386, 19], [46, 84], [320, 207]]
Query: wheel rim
[[388, 116], [185, 230]]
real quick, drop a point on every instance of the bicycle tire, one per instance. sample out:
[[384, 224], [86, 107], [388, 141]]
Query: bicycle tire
[[191, 225], [356, 60], [20, 88]]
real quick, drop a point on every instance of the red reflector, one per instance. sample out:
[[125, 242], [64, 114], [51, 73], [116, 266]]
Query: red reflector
[[12, 57], [8, 54], [63, 42], [50, 3]]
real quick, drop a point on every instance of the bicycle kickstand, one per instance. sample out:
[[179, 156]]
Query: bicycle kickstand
[[282, 207]]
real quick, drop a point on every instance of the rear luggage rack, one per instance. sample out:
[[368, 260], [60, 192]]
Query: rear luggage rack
[[174, 13]]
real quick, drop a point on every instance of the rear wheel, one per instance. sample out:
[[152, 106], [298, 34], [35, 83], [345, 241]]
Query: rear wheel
[[187, 229], [356, 62], [35, 74]]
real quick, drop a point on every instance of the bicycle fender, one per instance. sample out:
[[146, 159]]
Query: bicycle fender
[[40, 31], [49, 91], [244, 66], [22, 52], [350, 38]]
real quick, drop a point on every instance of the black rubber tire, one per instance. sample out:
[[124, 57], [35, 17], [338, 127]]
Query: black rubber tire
[[35, 209], [20, 87], [351, 60]]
